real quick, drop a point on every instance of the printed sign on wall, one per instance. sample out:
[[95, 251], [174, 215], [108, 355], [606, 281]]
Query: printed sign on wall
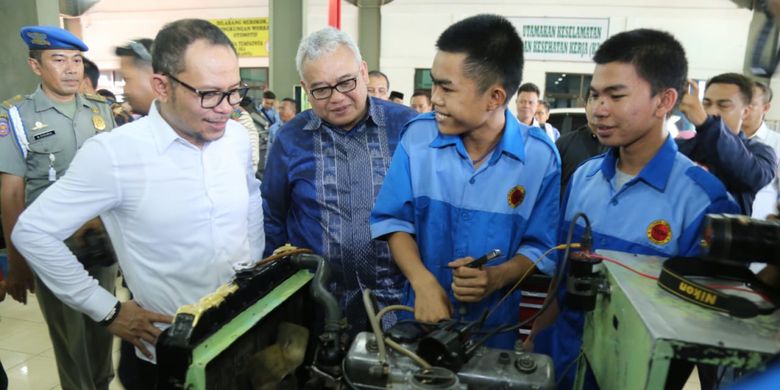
[[249, 35], [561, 39]]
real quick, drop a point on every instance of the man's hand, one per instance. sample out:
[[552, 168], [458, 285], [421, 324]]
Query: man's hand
[[19, 280], [691, 106], [431, 303], [135, 324], [471, 284]]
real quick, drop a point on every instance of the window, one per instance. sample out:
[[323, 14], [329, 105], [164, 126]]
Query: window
[[422, 79], [257, 79], [564, 90]]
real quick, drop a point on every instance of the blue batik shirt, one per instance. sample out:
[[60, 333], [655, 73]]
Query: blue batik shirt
[[510, 202], [657, 213], [319, 187]]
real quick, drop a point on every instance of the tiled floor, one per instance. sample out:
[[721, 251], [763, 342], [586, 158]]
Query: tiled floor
[[27, 356], [25, 348]]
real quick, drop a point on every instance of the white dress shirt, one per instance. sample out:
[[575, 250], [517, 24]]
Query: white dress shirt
[[766, 199], [180, 218]]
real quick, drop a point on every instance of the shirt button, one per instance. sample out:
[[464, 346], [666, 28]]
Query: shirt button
[[472, 181]]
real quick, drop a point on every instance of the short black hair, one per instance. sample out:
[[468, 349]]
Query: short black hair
[[493, 49], [765, 90], [422, 92], [36, 55], [173, 40], [139, 49], [291, 100], [742, 82], [529, 87], [396, 94], [269, 95], [107, 94], [656, 55], [91, 71], [376, 73], [543, 103]]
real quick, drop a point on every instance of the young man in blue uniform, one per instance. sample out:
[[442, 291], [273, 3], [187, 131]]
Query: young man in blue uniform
[[642, 196], [467, 179]]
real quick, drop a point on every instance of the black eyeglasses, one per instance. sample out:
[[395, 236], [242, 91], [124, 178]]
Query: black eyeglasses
[[345, 86], [211, 99]]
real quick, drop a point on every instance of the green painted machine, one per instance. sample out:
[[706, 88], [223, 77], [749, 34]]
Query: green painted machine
[[637, 328]]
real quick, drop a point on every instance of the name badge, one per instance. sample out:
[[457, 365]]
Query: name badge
[[43, 135]]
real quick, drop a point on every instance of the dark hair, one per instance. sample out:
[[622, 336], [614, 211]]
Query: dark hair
[[421, 92], [173, 40], [91, 71], [656, 55], [139, 49], [36, 55], [765, 90], [291, 100], [107, 94], [247, 101], [494, 51], [742, 82], [543, 103], [529, 87], [269, 95], [396, 94], [376, 73]]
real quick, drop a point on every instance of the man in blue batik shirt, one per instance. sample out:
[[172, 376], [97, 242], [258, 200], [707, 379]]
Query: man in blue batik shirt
[[325, 169], [468, 179], [642, 196]]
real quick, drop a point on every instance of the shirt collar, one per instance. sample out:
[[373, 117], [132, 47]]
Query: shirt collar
[[43, 102], [762, 131], [375, 114], [657, 171], [511, 142], [163, 133]]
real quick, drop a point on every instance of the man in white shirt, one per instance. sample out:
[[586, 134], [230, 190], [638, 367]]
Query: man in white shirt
[[528, 104], [175, 190], [755, 127]]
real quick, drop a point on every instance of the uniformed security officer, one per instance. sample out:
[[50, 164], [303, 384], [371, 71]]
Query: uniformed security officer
[[39, 136]]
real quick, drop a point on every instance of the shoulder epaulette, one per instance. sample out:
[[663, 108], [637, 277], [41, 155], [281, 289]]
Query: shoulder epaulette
[[10, 102], [95, 97]]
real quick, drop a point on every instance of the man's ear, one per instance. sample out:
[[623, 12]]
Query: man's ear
[[667, 102], [162, 87], [34, 65], [497, 97]]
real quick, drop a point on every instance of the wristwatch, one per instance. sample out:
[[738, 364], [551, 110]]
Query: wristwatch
[[111, 315]]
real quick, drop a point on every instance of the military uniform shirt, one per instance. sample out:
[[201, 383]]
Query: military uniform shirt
[[50, 133]]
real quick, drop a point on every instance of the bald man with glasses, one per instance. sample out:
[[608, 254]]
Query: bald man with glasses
[[326, 167], [175, 189]]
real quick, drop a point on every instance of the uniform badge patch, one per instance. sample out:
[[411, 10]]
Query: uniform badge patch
[[4, 130], [39, 126], [516, 196], [38, 38], [659, 232], [99, 122]]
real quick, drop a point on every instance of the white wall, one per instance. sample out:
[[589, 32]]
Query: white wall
[[713, 32]]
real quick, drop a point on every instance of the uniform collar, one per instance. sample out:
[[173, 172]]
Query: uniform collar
[[511, 141], [43, 102], [375, 114], [657, 171], [163, 133]]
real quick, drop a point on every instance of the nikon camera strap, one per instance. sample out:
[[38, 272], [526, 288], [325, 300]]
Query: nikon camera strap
[[675, 275]]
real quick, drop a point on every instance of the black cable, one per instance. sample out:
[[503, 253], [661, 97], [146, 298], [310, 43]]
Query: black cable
[[584, 245]]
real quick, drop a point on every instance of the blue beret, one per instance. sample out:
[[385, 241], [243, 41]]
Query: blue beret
[[48, 37]]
